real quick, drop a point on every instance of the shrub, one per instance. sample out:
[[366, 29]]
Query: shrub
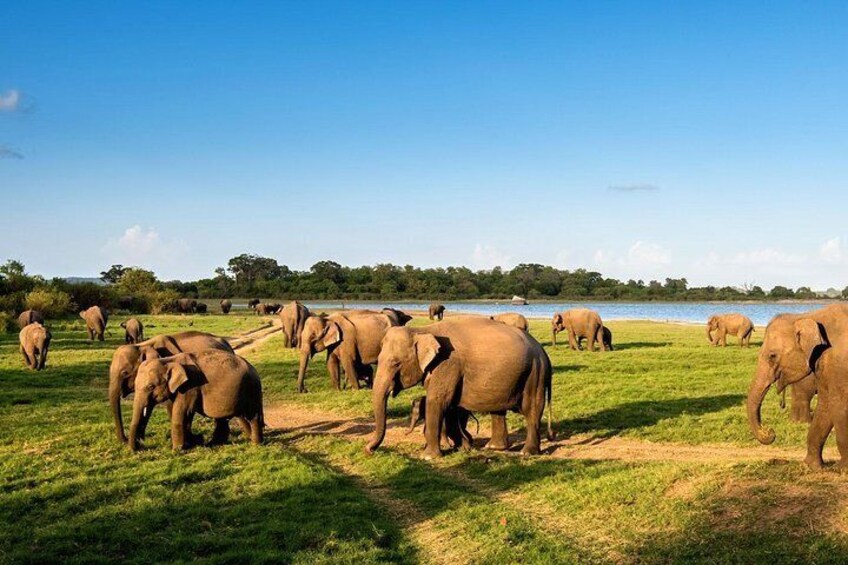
[[163, 301], [7, 322], [51, 303]]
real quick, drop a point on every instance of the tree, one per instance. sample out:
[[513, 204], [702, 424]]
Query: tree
[[113, 274], [137, 282], [251, 269], [781, 292]]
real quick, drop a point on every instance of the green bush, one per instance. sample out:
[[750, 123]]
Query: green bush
[[7, 322], [51, 303], [163, 301]]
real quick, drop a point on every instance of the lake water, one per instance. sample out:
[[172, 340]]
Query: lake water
[[697, 312]]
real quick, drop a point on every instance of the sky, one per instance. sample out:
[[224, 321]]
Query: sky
[[640, 139]]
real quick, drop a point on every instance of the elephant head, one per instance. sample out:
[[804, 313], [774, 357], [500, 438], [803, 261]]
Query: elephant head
[[319, 333], [712, 325], [398, 316], [790, 349], [157, 381], [557, 325], [403, 362]]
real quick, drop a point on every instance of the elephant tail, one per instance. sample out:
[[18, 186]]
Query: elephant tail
[[549, 399]]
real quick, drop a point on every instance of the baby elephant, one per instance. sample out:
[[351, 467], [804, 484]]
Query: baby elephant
[[607, 340], [454, 426], [35, 341], [218, 384], [201, 308], [133, 331]]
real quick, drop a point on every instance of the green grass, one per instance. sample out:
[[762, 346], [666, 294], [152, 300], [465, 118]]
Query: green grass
[[69, 492]]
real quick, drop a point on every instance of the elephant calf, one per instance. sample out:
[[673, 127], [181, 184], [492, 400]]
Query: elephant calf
[[607, 340], [512, 319], [226, 305], [454, 426], [436, 311], [96, 319], [133, 331], [35, 341], [214, 383], [733, 324], [580, 323]]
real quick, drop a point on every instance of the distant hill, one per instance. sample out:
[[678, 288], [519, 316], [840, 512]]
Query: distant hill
[[82, 280]]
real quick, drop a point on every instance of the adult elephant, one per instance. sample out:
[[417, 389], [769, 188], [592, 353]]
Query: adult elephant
[[471, 363], [133, 331], [96, 319], [252, 303], [293, 316], [352, 341], [226, 305], [734, 324], [201, 308], [512, 319], [186, 305], [28, 317], [580, 323], [401, 318], [34, 343], [127, 359], [436, 311], [797, 347]]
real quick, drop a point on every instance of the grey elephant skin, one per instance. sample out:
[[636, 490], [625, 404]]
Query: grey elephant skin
[[96, 319], [34, 344], [28, 317], [293, 316], [133, 331]]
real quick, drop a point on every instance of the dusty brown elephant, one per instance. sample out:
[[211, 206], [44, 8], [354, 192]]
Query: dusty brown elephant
[[803, 393], [214, 383], [252, 303], [265, 309], [607, 340], [28, 317], [733, 324], [186, 305], [455, 432], [471, 363], [293, 316], [580, 323], [35, 342], [226, 305], [201, 308], [795, 347], [127, 359], [401, 318], [436, 311], [133, 331], [352, 341], [96, 319], [512, 319]]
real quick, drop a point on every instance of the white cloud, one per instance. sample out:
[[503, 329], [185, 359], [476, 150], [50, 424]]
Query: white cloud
[[831, 251], [487, 257], [768, 256], [9, 100], [144, 248], [644, 254]]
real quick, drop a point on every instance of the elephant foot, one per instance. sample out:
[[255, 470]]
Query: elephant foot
[[841, 465], [814, 462], [431, 454], [530, 450], [496, 446]]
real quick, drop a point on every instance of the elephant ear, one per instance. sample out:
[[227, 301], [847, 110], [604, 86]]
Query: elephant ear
[[558, 319], [177, 376], [332, 334], [148, 353], [426, 349], [809, 336]]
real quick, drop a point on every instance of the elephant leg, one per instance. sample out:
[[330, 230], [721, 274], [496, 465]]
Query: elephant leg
[[351, 374], [802, 396], [246, 427], [433, 422], [532, 409], [590, 342], [221, 433], [817, 435], [334, 369], [27, 361], [256, 432], [722, 337], [179, 436], [572, 341], [840, 427], [500, 436]]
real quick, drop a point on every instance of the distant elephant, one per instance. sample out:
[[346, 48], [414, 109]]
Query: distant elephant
[[436, 311], [733, 324], [512, 319], [352, 341], [133, 331], [127, 358], [454, 428], [274, 308], [252, 303], [607, 337], [261, 309], [797, 347], [293, 316], [579, 323], [28, 317], [201, 308], [471, 363], [216, 384], [401, 318], [226, 306], [35, 341], [186, 305], [96, 319]]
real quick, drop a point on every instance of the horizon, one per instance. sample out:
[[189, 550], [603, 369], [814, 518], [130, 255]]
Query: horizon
[[642, 141]]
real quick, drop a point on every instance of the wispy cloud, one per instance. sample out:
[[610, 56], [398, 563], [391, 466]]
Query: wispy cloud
[[9, 153], [488, 257], [10, 100], [144, 247], [633, 187]]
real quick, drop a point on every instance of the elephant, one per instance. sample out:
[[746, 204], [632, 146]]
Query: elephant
[[186, 305], [96, 319], [803, 392], [252, 303], [127, 358], [28, 317], [265, 309], [797, 347], [471, 363], [293, 316], [607, 340], [401, 318], [35, 341], [579, 323], [133, 331], [352, 341], [217, 384], [733, 324], [436, 311], [274, 308], [201, 308], [226, 306], [512, 319], [454, 428]]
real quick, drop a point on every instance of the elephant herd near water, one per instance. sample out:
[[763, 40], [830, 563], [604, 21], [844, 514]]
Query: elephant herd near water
[[466, 364]]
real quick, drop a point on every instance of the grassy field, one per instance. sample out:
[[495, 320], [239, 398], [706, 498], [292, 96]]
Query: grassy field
[[653, 463]]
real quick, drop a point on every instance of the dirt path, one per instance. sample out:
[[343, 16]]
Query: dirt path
[[254, 338], [301, 420]]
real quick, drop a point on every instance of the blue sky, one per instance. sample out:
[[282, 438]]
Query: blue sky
[[644, 140]]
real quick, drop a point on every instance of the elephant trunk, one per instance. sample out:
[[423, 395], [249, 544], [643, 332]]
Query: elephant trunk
[[710, 333], [379, 398], [553, 336], [115, 405], [141, 414], [301, 373], [759, 387]]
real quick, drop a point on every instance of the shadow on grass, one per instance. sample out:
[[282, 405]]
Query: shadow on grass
[[624, 346]]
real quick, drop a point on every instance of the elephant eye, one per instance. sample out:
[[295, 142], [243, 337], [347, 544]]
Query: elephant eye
[[772, 357], [149, 387]]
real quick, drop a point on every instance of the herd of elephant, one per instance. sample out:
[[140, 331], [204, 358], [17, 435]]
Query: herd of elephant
[[466, 364]]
